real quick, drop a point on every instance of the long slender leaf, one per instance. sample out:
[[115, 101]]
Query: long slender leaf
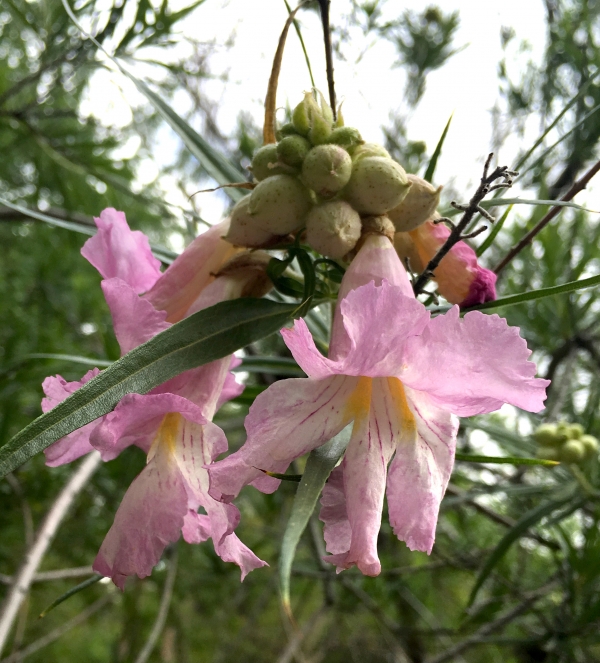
[[498, 202], [528, 520], [74, 590], [539, 294], [489, 240], [74, 359], [215, 164], [210, 334], [504, 460], [436, 153], [319, 465]]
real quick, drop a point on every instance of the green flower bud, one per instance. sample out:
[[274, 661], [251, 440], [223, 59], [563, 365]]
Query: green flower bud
[[368, 150], [563, 432], [346, 137], [243, 230], [546, 435], [377, 184], [287, 129], [327, 169], [320, 130], [279, 204], [339, 120], [575, 431], [292, 150], [590, 444], [572, 451], [333, 228], [418, 206], [266, 163], [302, 114], [548, 453]]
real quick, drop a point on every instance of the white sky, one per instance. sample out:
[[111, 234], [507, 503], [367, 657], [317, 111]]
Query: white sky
[[371, 88]]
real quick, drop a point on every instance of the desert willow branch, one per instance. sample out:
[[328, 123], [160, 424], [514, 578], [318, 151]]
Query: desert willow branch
[[528, 238], [470, 210], [33, 558], [324, 5]]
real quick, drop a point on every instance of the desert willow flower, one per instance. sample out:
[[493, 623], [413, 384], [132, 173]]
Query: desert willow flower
[[401, 377]]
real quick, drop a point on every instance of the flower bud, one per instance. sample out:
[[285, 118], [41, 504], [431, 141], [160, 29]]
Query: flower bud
[[572, 451], [378, 225], [418, 206], [287, 129], [320, 129], [243, 230], [266, 163], [546, 435], [302, 114], [548, 453], [326, 169], [292, 150], [575, 431], [326, 111], [368, 150], [346, 137], [333, 228], [279, 204], [249, 267], [590, 444], [563, 432], [377, 184]]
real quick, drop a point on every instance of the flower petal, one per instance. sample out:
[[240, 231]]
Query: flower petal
[[150, 516], [473, 365], [117, 251], [419, 473], [302, 346], [75, 444], [136, 420], [135, 320], [336, 530], [289, 419], [364, 471], [191, 272], [376, 260]]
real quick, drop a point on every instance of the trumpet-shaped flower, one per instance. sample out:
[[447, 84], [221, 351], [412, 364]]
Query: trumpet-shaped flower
[[461, 279], [400, 377], [172, 423]]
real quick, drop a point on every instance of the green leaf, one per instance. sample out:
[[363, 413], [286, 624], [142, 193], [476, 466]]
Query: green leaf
[[214, 163], [319, 465], [507, 460], [436, 153], [210, 334], [538, 294], [74, 359], [498, 202], [530, 519], [489, 240], [271, 365], [75, 590]]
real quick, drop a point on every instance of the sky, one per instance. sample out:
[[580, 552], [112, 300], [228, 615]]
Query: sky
[[371, 88]]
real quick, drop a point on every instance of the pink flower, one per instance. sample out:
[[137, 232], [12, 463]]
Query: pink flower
[[172, 423], [461, 280], [401, 377]]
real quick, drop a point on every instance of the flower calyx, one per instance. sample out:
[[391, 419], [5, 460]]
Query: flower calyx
[[251, 268]]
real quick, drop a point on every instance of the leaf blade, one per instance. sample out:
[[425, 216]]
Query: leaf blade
[[431, 166]]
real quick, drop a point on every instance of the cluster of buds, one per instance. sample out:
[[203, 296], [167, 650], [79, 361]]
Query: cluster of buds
[[567, 443], [323, 177]]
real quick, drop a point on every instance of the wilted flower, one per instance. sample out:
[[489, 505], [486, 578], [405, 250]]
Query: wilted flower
[[401, 377]]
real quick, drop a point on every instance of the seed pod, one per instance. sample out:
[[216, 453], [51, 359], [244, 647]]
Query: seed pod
[[418, 206], [327, 169], [279, 204], [243, 230], [266, 163], [572, 451], [333, 228], [346, 137], [548, 453], [368, 150], [292, 150], [590, 444], [377, 184], [546, 435]]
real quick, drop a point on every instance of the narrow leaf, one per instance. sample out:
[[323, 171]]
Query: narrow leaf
[[489, 240], [539, 294], [75, 590], [319, 465], [504, 460], [530, 519], [210, 334], [436, 153], [271, 365], [498, 202], [74, 359]]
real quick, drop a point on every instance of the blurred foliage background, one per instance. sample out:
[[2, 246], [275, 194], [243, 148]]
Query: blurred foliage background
[[534, 531]]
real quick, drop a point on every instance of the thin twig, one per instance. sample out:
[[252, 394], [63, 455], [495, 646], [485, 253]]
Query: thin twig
[[470, 210], [34, 556], [59, 574], [48, 639], [163, 610], [324, 5], [575, 189]]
